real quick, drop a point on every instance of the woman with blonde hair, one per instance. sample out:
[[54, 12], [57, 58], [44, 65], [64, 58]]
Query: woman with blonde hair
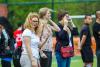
[[45, 18], [30, 42]]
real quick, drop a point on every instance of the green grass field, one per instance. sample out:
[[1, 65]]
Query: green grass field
[[75, 62]]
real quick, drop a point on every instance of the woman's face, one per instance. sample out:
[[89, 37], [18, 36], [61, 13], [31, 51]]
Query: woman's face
[[88, 20], [48, 15], [98, 15], [35, 22], [65, 19]]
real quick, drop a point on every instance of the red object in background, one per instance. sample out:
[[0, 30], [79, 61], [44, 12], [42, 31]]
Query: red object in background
[[18, 38], [3, 10], [76, 41]]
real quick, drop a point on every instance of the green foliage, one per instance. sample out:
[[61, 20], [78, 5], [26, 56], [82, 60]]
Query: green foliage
[[75, 62], [18, 13]]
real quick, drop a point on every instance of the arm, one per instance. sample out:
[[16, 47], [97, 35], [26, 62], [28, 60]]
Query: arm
[[66, 29], [70, 21], [82, 41], [62, 33], [74, 29], [54, 25], [84, 36], [27, 40], [96, 32], [40, 29], [73, 25]]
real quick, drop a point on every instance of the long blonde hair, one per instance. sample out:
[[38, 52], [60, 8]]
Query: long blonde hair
[[28, 21], [43, 11]]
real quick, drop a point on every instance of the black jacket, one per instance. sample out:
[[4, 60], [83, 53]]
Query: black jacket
[[62, 37]]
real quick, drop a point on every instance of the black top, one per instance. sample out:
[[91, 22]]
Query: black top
[[96, 33], [86, 31], [4, 53], [63, 38], [2, 44]]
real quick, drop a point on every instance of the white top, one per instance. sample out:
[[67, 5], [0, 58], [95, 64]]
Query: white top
[[34, 43]]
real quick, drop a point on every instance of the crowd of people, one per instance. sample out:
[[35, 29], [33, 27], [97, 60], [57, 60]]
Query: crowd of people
[[31, 44]]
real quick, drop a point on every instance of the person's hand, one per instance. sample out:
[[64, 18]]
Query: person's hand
[[42, 54], [69, 19], [67, 29], [7, 48], [34, 63], [79, 46], [65, 21]]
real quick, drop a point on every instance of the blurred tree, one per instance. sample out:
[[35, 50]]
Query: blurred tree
[[18, 9]]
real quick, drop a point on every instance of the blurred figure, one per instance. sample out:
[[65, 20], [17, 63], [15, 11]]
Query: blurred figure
[[18, 45], [31, 42], [6, 42], [45, 19], [96, 33], [64, 37], [85, 42]]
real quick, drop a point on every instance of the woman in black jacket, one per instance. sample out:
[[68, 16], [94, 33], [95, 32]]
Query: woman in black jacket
[[64, 38], [6, 42]]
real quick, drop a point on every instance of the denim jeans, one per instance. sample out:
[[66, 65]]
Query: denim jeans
[[98, 58], [62, 62]]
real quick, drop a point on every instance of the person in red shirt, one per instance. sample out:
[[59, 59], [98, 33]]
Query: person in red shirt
[[17, 36], [18, 44]]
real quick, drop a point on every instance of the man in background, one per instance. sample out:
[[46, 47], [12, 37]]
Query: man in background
[[96, 33]]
